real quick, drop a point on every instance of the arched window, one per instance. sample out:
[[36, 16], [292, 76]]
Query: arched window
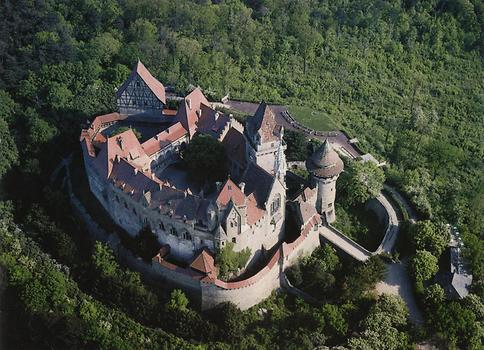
[[162, 226], [276, 204], [173, 231]]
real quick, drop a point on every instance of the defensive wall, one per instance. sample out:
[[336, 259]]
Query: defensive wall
[[204, 292]]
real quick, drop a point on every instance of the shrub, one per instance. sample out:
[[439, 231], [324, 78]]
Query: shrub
[[229, 262]]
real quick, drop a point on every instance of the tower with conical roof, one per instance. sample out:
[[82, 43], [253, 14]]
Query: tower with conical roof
[[325, 166]]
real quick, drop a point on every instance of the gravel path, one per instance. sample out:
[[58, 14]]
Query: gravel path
[[398, 283]]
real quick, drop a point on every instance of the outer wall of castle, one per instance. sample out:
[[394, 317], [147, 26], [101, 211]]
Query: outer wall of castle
[[246, 293]]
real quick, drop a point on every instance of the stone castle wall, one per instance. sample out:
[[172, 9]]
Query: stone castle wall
[[248, 292], [245, 293]]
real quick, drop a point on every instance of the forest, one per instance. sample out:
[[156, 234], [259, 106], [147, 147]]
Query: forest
[[405, 77]]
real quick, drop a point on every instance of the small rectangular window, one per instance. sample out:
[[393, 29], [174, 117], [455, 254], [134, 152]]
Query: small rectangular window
[[234, 240]]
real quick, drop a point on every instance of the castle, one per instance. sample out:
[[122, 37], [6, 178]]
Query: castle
[[139, 182]]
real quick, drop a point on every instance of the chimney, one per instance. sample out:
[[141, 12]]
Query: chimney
[[242, 186], [189, 103], [135, 171], [217, 114]]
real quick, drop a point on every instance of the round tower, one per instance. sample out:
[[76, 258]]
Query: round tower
[[325, 166]]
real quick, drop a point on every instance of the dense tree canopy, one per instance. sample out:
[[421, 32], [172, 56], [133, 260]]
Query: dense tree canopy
[[361, 181], [404, 77], [205, 159], [431, 237], [423, 265]]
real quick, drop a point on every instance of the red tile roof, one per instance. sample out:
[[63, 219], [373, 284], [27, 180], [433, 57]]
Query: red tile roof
[[264, 123], [169, 112], [155, 86], [204, 262], [230, 191], [92, 133], [308, 193], [189, 110], [163, 139], [124, 145], [254, 213]]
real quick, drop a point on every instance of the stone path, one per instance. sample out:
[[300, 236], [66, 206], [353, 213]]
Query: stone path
[[411, 213], [355, 250], [393, 228], [398, 283]]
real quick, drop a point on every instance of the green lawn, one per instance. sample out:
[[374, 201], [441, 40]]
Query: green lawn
[[317, 120]]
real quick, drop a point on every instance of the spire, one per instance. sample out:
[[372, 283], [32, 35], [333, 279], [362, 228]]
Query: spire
[[321, 154]]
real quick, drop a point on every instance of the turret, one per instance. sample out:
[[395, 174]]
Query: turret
[[266, 146], [325, 166]]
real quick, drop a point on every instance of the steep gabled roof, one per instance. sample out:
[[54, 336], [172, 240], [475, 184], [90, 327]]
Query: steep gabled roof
[[211, 121], [264, 123], [230, 191], [189, 109], [204, 262], [235, 146], [154, 85], [259, 182]]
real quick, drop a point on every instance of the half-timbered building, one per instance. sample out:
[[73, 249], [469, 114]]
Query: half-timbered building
[[141, 94]]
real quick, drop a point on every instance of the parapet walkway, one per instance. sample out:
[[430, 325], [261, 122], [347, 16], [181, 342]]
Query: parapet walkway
[[355, 250], [344, 243]]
